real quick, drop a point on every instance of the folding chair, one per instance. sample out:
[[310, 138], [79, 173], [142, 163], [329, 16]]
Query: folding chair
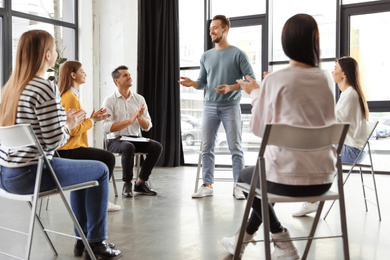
[[302, 139], [371, 128], [22, 135], [137, 160]]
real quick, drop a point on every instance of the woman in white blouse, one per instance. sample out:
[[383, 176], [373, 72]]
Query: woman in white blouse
[[352, 107]]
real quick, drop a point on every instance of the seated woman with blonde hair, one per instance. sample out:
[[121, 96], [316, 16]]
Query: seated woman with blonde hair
[[28, 98]]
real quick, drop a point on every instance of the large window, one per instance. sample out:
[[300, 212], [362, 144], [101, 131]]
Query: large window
[[363, 38], [234, 8], [347, 27], [58, 17], [369, 45], [247, 34], [62, 10], [323, 11]]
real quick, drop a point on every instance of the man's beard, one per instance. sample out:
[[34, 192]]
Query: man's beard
[[217, 39]]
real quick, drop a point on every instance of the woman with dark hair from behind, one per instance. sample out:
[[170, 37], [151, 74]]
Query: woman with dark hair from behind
[[352, 108], [297, 95], [72, 76], [28, 98]]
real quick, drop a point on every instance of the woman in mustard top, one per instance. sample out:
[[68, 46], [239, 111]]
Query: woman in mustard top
[[72, 76]]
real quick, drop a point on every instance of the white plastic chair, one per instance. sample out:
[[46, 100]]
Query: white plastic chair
[[302, 139], [22, 135], [371, 128]]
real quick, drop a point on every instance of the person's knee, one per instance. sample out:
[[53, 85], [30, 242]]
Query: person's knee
[[158, 147], [101, 168], [127, 148]]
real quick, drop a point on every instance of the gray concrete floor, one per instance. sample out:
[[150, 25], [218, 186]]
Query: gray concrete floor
[[172, 226]]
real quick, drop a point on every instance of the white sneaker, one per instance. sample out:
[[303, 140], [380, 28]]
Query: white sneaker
[[284, 250], [231, 242], [112, 207], [237, 193], [306, 208], [203, 191]]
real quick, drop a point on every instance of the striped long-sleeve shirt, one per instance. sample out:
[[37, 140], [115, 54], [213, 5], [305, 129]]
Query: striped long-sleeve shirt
[[39, 105]]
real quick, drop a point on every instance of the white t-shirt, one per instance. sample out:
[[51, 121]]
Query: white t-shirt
[[348, 110]]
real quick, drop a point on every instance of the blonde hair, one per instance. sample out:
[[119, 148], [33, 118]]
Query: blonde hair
[[30, 58], [65, 81]]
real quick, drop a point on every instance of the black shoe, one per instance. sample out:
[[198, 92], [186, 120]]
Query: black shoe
[[127, 190], [79, 247], [102, 251], [144, 189]]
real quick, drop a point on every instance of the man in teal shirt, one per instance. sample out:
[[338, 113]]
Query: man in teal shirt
[[220, 67]]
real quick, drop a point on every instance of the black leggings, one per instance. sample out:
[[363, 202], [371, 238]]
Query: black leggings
[[255, 220], [90, 153]]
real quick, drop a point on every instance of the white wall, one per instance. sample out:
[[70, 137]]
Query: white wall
[[108, 38]]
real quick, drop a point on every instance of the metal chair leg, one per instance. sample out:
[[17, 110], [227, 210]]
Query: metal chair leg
[[198, 172]]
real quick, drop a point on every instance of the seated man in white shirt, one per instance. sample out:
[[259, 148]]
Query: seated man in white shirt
[[129, 114]]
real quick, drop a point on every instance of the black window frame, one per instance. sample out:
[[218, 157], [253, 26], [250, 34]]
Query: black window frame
[[6, 13], [358, 9]]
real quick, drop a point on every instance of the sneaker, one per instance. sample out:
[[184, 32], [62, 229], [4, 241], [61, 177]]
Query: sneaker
[[144, 189], [306, 208], [112, 207], [237, 193], [284, 250], [231, 242], [203, 191]]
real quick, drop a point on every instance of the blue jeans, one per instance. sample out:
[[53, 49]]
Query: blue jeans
[[349, 154], [89, 205], [230, 116]]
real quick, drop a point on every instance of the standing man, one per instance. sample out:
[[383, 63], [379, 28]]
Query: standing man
[[129, 114], [220, 67]]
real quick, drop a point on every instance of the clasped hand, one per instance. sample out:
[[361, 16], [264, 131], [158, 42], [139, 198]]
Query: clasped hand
[[99, 115], [74, 118]]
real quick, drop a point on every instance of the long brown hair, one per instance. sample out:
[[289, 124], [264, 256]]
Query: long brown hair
[[65, 81], [30, 58], [351, 69]]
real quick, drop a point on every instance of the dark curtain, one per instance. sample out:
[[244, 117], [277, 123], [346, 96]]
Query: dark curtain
[[158, 73]]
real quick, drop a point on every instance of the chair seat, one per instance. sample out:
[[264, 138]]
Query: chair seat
[[273, 198], [357, 165], [29, 197]]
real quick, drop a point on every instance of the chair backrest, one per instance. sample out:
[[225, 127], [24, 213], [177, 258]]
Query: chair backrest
[[370, 129], [16, 136], [304, 138]]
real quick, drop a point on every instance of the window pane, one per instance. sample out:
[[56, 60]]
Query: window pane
[[248, 39], [62, 10], [380, 142], [323, 11], [191, 32], [369, 46], [191, 107], [65, 37], [1, 3], [345, 2], [234, 8]]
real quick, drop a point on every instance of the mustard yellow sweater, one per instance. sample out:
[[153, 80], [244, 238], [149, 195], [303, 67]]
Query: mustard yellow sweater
[[78, 136]]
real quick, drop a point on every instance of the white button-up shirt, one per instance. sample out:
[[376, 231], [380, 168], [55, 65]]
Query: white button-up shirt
[[122, 109]]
